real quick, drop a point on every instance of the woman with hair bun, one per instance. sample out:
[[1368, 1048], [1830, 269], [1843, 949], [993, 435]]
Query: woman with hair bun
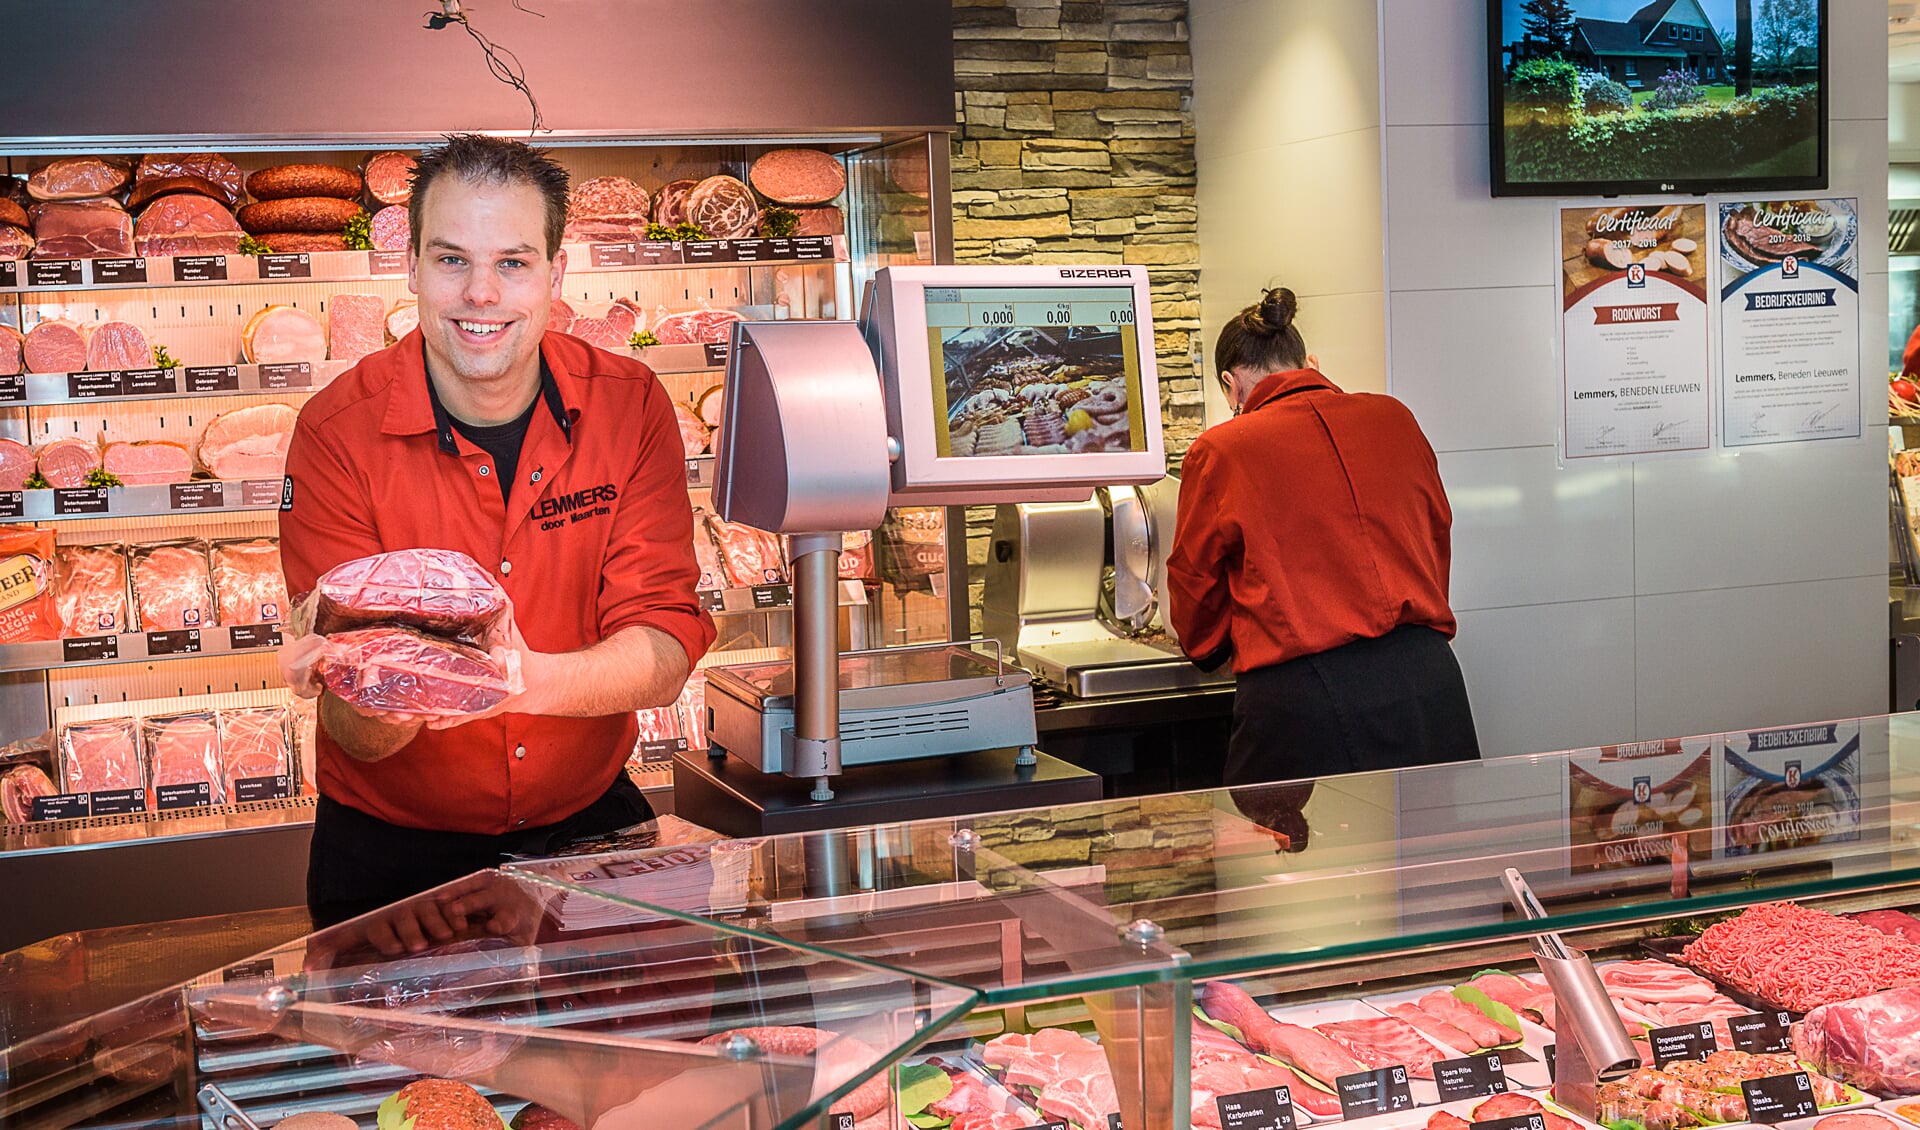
[[1312, 552]]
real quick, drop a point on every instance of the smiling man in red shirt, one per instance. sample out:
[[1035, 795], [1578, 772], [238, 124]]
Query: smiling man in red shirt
[[555, 465], [1312, 550]]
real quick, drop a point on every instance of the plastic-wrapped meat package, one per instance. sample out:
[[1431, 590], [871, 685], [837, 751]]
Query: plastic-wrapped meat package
[[183, 750], [255, 743], [400, 671], [172, 587], [97, 757], [657, 724], [750, 556], [1869, 1042], [27, 608], [706, 551], [247, 581], [692, 705], [90, 587], [440, 591]]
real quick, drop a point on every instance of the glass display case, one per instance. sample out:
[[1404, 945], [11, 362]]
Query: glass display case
[[1155, 962]]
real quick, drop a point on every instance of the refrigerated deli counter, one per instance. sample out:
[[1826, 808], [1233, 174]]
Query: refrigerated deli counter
[[1274, 957]]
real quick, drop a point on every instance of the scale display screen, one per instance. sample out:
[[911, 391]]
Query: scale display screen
[[1034, 370]]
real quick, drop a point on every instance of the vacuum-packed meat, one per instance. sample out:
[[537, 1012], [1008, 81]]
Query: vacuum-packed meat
[[401, 671], [256, 742], [798, 176], [148, 462], [27, 609], [692, 705], [247, 581], [186, 224], [280, 182], [184, 749], [389, 176], [723, 208], [90, 587], [82, 229], [172, 588], [78, 178], [56, 345], [248, 443], [435, 590], [118, 345], [67, 462], [692, 327], [212, 167], [281, 335], [356, 326], [750, 556], [18, 787], [97, 757], [16, 464], [1872, 1043], [391, 229]]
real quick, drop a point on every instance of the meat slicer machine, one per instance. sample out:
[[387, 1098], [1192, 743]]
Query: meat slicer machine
[[1077, 592]]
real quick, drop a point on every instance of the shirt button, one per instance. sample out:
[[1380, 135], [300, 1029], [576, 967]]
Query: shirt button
[[535, 478], [485, 470], [506, 567], [520, 752]]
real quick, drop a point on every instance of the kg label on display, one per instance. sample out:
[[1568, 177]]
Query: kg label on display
[[1633, 330], [1789, 321]]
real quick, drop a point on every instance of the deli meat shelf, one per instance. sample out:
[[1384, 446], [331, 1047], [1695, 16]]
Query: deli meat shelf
[[28, 390], [34, 275], [198, 496], [139, 647]]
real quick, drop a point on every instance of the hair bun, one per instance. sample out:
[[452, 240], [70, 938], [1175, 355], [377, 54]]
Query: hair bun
[[1277, 308]]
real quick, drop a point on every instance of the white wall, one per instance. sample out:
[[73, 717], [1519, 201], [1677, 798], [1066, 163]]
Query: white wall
[[1289, 172], [1597, 603]]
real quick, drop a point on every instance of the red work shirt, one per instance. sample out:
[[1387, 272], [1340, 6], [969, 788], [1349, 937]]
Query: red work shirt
[[598, 537], [1313, 519]]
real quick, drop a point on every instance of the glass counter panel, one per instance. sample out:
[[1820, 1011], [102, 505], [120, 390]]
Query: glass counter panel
[[608, 1015]]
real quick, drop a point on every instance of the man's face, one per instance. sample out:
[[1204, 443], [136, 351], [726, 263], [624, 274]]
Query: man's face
[[484, 280]]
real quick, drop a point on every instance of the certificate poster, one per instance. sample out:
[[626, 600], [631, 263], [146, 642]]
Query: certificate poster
[[1637, 804], [1791, 787], [1789, 321], [1633, 340]]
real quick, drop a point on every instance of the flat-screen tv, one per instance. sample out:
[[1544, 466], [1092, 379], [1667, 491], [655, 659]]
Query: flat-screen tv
[[1607, 97]]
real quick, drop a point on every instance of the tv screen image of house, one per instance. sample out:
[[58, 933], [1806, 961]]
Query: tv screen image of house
[[1605, 96]]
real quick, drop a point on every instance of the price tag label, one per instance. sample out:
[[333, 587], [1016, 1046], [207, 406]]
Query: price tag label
[[259, 969], [13, 504], [1381, 1091], [54, 272], [693, 472], [113, 802], [13, 389], [1534, 1121], [752, 250], [386, 262], [1762, 1033], [1270, 1108], [612, 254], [712, 600], [199, 794], [1050, 1124], [79, 500], [181, 641], [650, 253], [63, 806], [1473, 1077], [150, 382], [200, 268], [293, 266], [843, 1121], [245, 637], [779, 248], [216, 378], [813, 247], [290, 374], [260, 492], [10, 274], [90, 649], [717, 353], [107, 271], [197, 496], [661, 750], [85, 386], [1780, 1098], [1552, 1073], [707, 251], [1113, 1122], [262, 788], [772, 596], [1683, 1041]]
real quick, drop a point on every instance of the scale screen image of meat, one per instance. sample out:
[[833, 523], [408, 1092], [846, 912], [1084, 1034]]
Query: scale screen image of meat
[[1035, 371]]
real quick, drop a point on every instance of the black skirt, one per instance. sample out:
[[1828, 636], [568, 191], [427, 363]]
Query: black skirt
[[1386, 703]]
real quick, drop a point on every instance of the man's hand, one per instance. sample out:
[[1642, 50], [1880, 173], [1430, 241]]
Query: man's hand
[[633, 669]]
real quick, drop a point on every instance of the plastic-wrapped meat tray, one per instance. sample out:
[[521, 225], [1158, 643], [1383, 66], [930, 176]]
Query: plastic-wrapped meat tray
[[439, 591], [400, 671]]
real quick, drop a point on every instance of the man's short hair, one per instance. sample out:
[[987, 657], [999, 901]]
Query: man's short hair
[[479, 159]]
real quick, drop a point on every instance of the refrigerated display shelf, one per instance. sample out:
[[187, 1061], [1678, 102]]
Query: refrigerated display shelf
[[139, 647], [198, 496], [181, 382]]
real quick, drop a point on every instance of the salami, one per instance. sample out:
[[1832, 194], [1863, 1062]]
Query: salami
[[798, 176], [67, 462], [281, 182], [390, 229], [118, 345], [670, 206], [216, 170], [389, 177], [298, 214], [56, 346], [723, 208]]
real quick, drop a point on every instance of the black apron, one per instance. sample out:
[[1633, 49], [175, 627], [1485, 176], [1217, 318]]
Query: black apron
[[1386, 703]]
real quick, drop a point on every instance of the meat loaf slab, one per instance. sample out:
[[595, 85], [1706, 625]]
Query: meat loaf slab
[[435, 590], [298, 214], [284, 182]]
